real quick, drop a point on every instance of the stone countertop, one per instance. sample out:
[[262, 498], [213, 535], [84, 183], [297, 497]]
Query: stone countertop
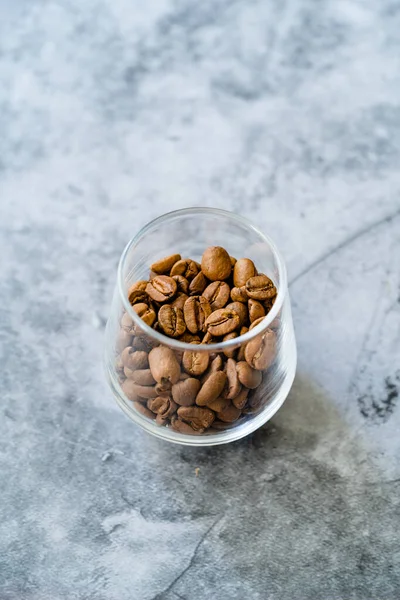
[[111, 114]]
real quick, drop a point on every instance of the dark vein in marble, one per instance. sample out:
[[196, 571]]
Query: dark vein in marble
[[357, 235], [193, 558]]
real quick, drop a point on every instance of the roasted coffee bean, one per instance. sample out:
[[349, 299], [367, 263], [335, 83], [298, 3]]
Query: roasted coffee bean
[[130, 390], [182, 284], [142, 376], [241, 310], [233, 261], [138, 296], [145, 312], [241, 398], [194, 362], [119, 366], [143, 391], [197, 284], [163, 365], [219, 404], [199, 418], [216, 263], [179, 300], [217, 294], [182, 427], [243, 270], [127, 324], [161, 288], [143, 410], [196, 310], [232, 351], [162, 405], [185, 391], [124, 340], [256, 322], [222, 321], [249, 377], [216, 364], [268, 304], [239, 294], [208, 339], [189, 338], [171, 320], [164, 388], [211, 389], [260, 287], [184, 375], [185, 267], [229, 414], [256, 310], [164, 265], [138, 286], [233, 385], [134, 359], [261, 351]]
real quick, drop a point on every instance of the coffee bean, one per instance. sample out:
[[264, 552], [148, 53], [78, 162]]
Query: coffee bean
[[260, 287], [196, 310], [233, 260], [243, 270], [161, 288], [222, 321], [182, 427], [138, 296], [256, 322], [134, 359], [256, 310], [261, 351], [124, 339], [145, 312], [219, 404], [164, 388], [143, 410], [182, 284], [233, 385], [249, 377], [138, 286], [240, 400], [197, 284], [179, 300], [194, 362], [230, 336], [127, 324], [268, 304], [189, 338], [229, 414], [239, 294], [216, 364], [216, 263], [185, 267], [185, 391], [163, 406], [163, 365], [142, 376], [217, 294], [164, 265], [199, 418], [128, 388], [241, 310], [171, 320], [221, 426], [211, 389]]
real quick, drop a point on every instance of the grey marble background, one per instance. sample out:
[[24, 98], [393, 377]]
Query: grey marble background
[[111, 113]]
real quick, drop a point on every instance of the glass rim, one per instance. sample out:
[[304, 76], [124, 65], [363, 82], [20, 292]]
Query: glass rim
[[220, 346]]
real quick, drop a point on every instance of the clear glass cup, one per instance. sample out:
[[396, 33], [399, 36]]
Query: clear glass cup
[[270, 345]]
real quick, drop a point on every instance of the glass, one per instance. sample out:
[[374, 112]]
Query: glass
[[189, 232]]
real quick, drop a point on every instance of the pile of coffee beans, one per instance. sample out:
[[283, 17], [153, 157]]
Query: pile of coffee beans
[[220, 299]]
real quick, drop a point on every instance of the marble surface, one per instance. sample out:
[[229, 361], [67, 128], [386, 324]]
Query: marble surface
[[111, 113]]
